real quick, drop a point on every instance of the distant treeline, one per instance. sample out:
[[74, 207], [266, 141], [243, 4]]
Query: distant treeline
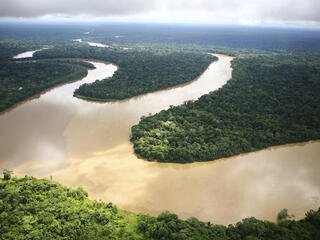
[[168, 35], [139, 71], [270, 100], [40, 209], [21, 80]]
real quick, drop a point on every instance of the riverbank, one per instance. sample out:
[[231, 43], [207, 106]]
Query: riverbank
[[140, 71], [80, 61], [157, 91], [26, 80], [87, 143], [268, 102], [68, 213]]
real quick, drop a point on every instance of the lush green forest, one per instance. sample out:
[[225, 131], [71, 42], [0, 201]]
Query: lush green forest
[[21, 80], [273, 98], [270, 100], [139, 71], [10, 48], [39, 209], [43, 209]]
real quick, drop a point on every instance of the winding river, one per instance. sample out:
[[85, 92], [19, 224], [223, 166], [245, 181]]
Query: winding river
[[87, 143]]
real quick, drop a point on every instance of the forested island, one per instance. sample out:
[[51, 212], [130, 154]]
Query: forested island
[[272, 99], [37, 209], [139, 72]]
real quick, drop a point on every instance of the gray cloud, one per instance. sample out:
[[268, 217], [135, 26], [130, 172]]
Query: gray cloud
[[251, 11], [38, 8]]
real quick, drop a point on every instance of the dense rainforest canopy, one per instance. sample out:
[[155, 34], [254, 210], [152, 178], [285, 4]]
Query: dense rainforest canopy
[[270, 100], [40, 209], [21, 80], [9, 48], [139, 71]]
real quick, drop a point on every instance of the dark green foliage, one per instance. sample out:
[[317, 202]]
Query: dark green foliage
[[7, 174], [283, 214], [169, 226], [313, 217], [270, 100], [20, 80], [139, 71], [42, 209], [10, 48]]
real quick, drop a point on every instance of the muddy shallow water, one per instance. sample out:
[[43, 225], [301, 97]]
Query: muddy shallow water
[[86, 143]]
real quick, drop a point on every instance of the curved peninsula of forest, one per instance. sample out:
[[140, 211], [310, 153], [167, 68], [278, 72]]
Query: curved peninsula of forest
[[271, 100], [43, 209], [21, 80], [139, 72]]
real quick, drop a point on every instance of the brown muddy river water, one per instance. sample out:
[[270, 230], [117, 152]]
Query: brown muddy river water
[[87, 143]]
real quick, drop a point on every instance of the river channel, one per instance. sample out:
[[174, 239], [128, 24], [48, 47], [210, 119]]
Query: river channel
[[79, 142]]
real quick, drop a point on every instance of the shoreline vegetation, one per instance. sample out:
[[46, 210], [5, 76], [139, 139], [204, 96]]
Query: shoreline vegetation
[[38, 209], [270, 100], [23, 80], [150, 145], [139, 71], [140, 95]]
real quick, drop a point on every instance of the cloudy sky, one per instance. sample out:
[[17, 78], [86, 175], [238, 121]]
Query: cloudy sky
[[300, 12]]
